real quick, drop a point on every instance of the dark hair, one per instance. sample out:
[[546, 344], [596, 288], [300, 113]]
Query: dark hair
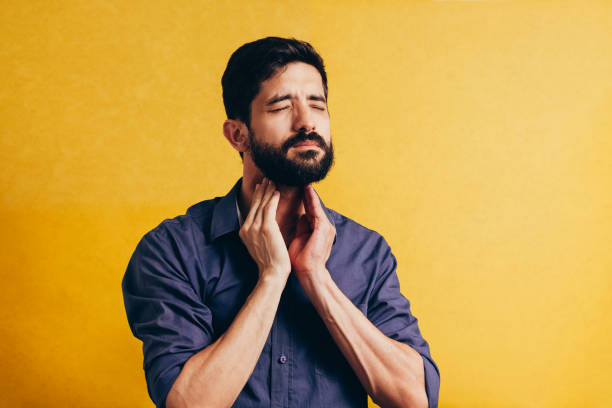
[[253, 63]]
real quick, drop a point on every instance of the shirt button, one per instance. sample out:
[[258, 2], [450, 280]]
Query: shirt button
[[282, 359]]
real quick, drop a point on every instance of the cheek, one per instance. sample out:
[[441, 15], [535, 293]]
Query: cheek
[[273, 131], [324, 130]]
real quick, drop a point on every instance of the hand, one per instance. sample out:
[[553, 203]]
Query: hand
[[261, 234], [310, 249]]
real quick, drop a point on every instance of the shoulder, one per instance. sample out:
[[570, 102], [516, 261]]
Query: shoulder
[[172, 248], [177, 242], [359, 258], [195, 221], [350, 233]]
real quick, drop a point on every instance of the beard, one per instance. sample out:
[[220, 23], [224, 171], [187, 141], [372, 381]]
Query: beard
[[297, 172]]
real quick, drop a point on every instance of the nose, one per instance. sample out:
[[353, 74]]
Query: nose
[[303, 119]]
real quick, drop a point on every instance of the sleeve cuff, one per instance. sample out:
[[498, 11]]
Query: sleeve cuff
[[160, 387], [432, 382]]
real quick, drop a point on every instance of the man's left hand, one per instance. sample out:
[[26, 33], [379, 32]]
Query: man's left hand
[[310, 249]]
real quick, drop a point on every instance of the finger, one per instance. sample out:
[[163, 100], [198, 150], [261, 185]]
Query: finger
[[269, 191], [312, 203], [254, 203], [269, 212]]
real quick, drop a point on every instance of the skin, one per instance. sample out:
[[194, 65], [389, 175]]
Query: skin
[[287, 230]]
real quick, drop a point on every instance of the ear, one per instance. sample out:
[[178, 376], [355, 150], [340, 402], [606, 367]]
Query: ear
[[236, 132]]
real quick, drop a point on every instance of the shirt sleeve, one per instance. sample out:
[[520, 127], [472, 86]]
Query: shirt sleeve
[[389, 310], [164, 310]]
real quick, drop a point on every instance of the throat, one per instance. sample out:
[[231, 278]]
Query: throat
[[288, 234], [290, 208]]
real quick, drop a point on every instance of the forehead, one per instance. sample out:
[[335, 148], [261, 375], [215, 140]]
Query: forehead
[[293, 78]]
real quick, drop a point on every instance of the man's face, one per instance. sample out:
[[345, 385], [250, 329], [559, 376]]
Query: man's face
[[289, 131]]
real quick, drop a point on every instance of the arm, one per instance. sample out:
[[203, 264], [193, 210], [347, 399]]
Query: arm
[[215, 376], [390, 371]]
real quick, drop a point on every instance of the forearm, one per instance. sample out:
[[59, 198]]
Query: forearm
[[390, 371], [215, 376]]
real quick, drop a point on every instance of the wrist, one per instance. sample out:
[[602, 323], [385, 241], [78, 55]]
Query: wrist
[[271, 286], [273, 275], [313, 280]]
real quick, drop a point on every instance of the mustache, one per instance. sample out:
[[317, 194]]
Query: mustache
[[302, 137]]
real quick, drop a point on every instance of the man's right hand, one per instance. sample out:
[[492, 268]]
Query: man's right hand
[[216, 374], [261, 234]]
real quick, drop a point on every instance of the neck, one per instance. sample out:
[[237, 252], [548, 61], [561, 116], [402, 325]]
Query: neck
[[290, 204]]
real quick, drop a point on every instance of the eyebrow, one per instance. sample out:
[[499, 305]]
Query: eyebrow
[[279, 98]]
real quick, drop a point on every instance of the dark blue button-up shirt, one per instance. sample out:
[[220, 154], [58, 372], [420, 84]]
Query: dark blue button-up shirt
[[189, 277]]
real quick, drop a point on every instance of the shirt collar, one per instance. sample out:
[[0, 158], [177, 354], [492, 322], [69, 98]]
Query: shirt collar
[[225, 213], [225, 216]]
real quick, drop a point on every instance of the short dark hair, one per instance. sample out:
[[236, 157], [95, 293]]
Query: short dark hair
[[253, 63]]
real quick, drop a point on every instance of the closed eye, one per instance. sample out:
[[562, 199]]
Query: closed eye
[[279, 109]]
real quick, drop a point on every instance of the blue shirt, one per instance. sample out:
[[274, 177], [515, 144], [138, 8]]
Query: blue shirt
[[189, 277]]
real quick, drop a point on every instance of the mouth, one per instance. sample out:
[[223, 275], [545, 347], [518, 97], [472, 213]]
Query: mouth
[[307, 144]]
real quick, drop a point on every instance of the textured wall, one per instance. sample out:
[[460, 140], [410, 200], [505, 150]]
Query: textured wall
[[475, 136]]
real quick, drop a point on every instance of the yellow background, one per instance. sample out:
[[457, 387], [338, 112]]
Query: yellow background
[[475, 136]]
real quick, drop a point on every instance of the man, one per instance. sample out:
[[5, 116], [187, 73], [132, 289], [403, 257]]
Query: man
[[265, 297]]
